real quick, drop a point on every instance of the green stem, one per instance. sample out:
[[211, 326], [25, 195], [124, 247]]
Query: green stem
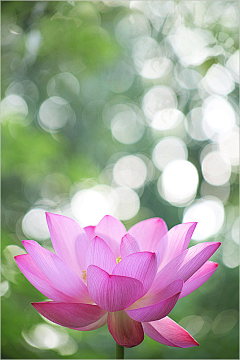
[[119, 352]]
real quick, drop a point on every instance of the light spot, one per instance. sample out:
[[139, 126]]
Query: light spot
[[209, 214], [216, 168], [178, 182], [130, 171]]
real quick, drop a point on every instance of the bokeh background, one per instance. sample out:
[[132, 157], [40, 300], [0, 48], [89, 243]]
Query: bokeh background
[[128, 108]]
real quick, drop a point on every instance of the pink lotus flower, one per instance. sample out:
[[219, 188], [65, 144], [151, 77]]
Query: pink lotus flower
[[129, 280]]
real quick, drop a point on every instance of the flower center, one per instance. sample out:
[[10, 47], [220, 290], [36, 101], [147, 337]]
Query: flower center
[[118, 259], [84, 275]]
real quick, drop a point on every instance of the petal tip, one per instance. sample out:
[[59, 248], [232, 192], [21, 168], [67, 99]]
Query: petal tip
[[16, 258], [196, 343], [26, 243], [218, 244]]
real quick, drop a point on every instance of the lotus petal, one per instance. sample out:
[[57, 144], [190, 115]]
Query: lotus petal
[[111, 292], [141, 266], [168, 332], [184, 265], [170, 290], [65, 233], [90, 231], [154, 312], [39, 280], [111, 230], [129, 245], [96, 325], [125, 331], [175, 242], [59, 273], [199, 278], [149, 233], [100, 254], [70, 314]]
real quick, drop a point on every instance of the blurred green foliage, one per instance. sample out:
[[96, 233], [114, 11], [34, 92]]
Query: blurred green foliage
[[79, 38]]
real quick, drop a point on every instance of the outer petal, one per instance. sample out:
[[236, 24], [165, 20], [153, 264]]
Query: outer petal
[[199, 278], [184, 265], [110, 292], [175, 242], [129, 245], [60, 274], [65, 232], [125, 331], [141, 266], [168, 332], [39, 280], [70, 314], [149, 232], [154, 312], [111, 231], [96, 325], [90, 231], [172, 289], [101, 255]]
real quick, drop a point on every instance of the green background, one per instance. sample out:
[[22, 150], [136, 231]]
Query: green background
[[81, 38]]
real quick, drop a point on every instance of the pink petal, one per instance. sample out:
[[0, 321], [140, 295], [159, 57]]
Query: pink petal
[[37, 278], [111, 292], [154, 312], [96, 325], [125, 331], [111, 231], [199, 278], [184, 265], [158, 306], [170, 290], [141, 266], [168, 332], [149, 232], [70, 314], [100, 254], [175, 242], [129, 245], [90, 231], [60, 274], [65, 233]]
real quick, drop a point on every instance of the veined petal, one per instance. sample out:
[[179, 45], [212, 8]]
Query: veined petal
[[59, 273], [170, 290], [96, 325], [69, 314], [149, 232], [101, 255], [175, 242], [184, 265], [129, 245], [65, 233], [141, 266], [39, 280], [168, 332], [154, 312], [111, 230], [125, 331], [157, 306], [199, 278], [90, 231], [111, 292]]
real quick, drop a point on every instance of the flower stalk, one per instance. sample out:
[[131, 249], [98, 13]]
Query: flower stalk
[[119, 352]]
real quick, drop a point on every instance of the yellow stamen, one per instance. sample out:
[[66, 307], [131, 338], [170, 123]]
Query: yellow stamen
[[84, 275], [118, 259]]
